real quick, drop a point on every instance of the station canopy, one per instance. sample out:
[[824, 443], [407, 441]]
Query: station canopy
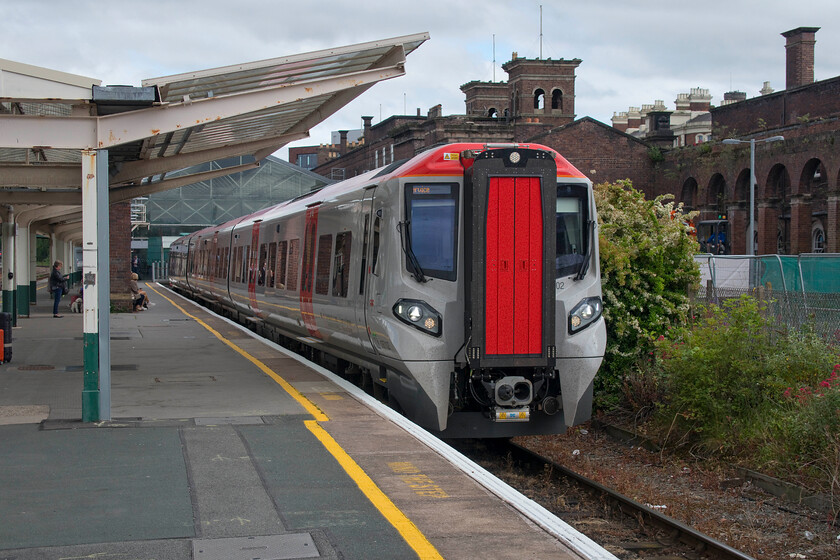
[[174, 122]]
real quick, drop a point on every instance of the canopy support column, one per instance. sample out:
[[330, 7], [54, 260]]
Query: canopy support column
[[96, 394], [22, 269], [9, 282]]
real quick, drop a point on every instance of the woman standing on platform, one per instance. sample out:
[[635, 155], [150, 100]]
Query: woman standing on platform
[[57, 286]]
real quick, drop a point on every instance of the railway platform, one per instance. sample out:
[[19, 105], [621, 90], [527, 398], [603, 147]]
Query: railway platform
[[225, 446]]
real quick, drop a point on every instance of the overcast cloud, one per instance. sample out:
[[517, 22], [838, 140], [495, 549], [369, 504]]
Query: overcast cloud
[[633, 52]]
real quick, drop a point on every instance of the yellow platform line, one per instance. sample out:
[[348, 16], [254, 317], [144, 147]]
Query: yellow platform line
[[310, 407], [409, 531], [404, 526]]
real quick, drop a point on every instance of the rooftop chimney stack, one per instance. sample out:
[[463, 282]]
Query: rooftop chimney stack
[[800, 56], [342, 134], [367, 121]]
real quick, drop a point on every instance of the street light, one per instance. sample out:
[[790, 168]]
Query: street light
[[751, 142]]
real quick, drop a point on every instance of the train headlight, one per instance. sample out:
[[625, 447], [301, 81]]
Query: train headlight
[[415, 313], [585, 313], [419, 315]]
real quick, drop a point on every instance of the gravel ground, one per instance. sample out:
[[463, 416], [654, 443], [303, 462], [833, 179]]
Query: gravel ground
[[706, 496]]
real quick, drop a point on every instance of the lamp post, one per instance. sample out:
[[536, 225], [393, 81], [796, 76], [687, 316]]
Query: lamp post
[[751, 142]]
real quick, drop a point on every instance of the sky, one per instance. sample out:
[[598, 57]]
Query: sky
[[633, 52]]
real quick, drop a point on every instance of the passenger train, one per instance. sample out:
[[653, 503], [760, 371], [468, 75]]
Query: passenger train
[[462, 285]]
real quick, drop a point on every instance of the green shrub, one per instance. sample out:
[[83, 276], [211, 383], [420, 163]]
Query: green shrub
[[715, 371], [647, 269], [737, 383]]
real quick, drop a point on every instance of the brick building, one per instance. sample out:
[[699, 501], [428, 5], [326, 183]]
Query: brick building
[[797, 194], [797, 198], [603, 153]]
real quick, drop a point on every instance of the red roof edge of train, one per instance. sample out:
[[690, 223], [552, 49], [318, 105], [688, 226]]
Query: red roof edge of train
[[441, 161], [446, 160]]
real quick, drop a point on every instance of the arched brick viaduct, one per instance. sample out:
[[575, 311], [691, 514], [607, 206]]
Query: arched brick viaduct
[[797, 195]]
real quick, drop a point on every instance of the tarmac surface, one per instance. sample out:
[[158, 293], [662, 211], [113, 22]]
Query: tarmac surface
[[221, 446]]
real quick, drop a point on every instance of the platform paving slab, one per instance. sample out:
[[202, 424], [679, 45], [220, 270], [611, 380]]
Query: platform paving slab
[[84, 486]]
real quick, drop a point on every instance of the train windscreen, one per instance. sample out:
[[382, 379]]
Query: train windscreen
[[432, 215], [572, 220]]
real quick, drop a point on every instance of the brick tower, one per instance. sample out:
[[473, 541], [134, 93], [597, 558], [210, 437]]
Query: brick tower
[[539, 92]]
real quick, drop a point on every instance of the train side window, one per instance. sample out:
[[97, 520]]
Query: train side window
[[341, 264], [272, 259], [294, 264], [282, 251], [225, 256], [246, 261], [322, 270], [261, 271], [375, 243], [364, 255], [237, 264]]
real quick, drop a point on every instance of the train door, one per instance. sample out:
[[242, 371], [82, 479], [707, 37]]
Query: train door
[[510, 237], [369, 253], [513, 266], [214, 258]]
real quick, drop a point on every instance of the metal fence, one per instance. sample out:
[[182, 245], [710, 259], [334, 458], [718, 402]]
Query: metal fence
[[801, 291]]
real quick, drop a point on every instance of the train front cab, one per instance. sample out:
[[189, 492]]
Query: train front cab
[[527, 365]]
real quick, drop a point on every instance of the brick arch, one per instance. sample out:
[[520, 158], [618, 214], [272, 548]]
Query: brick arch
[[778, 185], [539, 98], [774, 219], [557, 99], [688, 196], [716, 195], [742, 186], [813, 178]]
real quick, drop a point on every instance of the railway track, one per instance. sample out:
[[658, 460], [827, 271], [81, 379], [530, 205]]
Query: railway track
[[584, 503]]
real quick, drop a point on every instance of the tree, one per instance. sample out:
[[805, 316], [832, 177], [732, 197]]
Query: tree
[[647, 268]]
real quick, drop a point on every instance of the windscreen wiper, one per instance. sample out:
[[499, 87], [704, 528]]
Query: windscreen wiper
[[416, 269], [584, 267]]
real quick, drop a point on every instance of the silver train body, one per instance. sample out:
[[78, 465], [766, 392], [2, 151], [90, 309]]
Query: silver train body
[[463, 285]]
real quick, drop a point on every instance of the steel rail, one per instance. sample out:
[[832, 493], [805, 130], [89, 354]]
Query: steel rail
[[679, 532]]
